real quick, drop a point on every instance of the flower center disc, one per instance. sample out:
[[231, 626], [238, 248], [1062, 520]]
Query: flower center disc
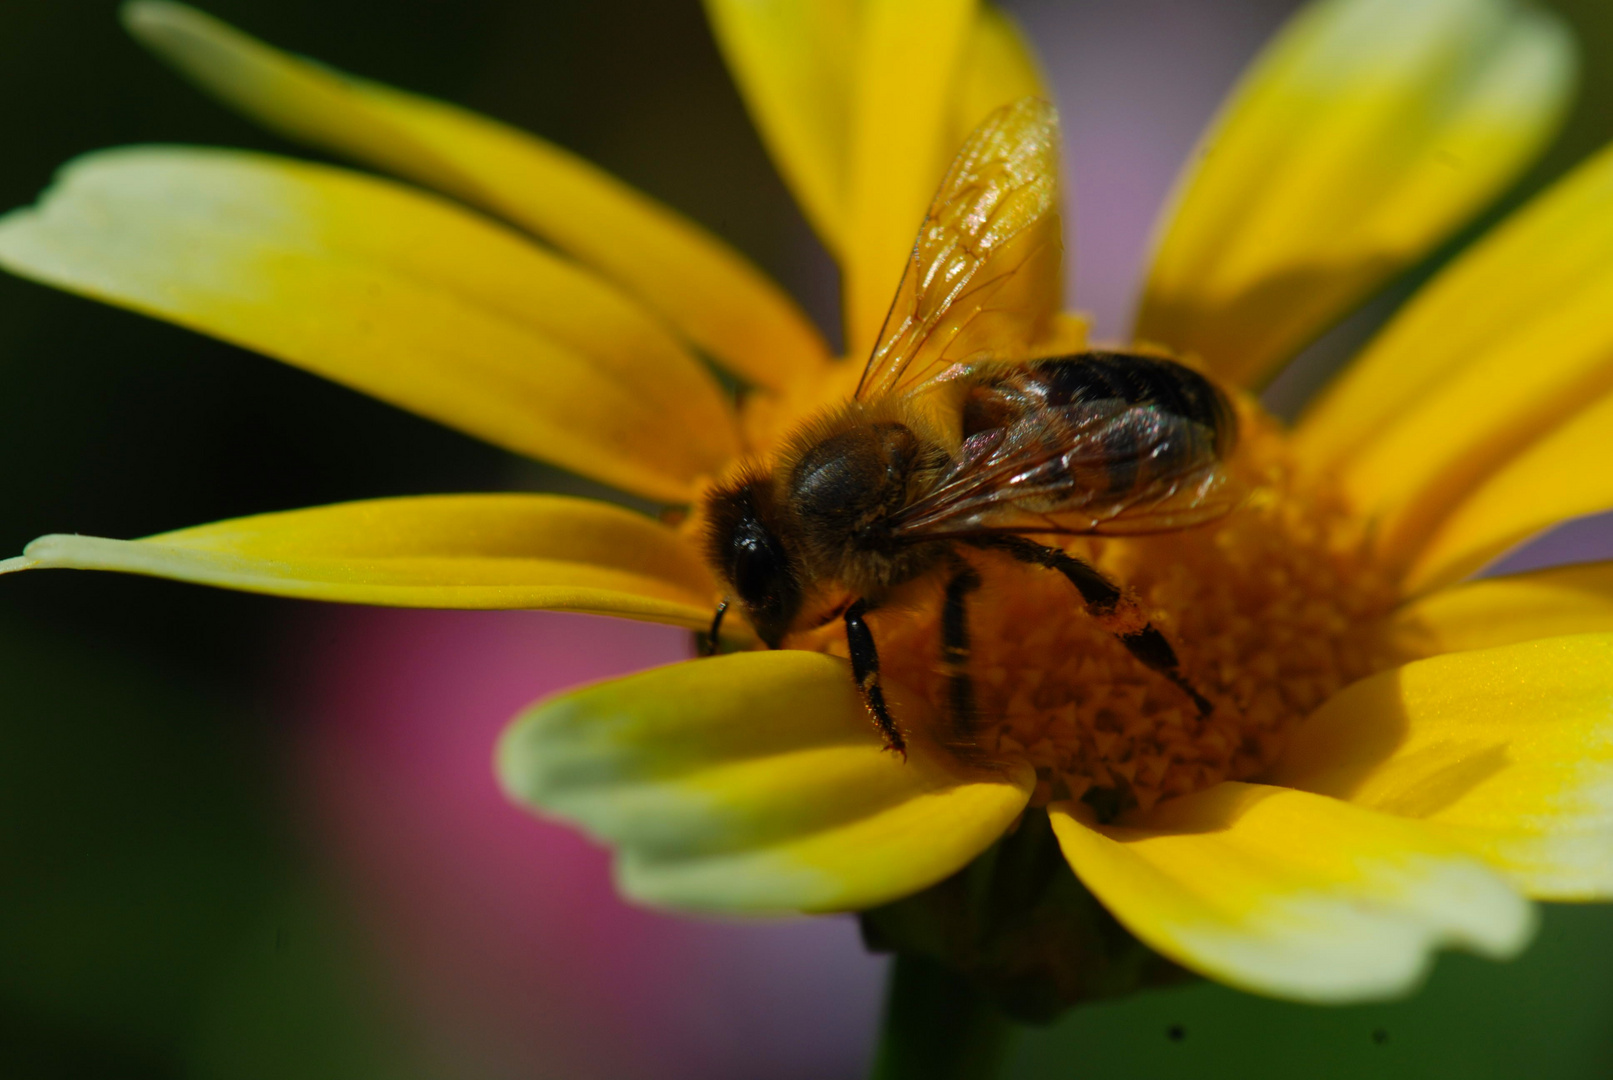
[[1270, 609]]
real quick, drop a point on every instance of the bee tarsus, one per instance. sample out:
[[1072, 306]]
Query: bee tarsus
[[1151, 647], [865, 670]]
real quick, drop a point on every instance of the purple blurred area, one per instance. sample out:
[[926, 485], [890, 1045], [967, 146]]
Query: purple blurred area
[[1136, 82]]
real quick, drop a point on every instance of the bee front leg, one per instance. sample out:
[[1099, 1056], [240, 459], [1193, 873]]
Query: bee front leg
[[1105, 602], [865, 669], [712, 643]]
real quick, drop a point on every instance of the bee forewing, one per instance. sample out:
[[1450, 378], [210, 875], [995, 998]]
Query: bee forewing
[[984, 281], [1094, 443]]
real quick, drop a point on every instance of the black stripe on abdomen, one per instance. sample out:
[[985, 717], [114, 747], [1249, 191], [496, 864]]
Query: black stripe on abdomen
[[1137, 380]]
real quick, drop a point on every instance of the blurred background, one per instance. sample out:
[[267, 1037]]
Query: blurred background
[[255, 838]]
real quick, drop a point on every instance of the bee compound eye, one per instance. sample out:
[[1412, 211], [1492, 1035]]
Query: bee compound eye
[[764, 579], [750, 555], [758, 567]]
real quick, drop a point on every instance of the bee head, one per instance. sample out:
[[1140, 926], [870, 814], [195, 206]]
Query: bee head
[[744, 546]]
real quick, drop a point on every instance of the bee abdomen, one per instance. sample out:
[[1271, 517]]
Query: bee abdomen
[[1114, 440], [1137, 381]]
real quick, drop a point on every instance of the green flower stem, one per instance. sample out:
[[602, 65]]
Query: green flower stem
[[938, 1026]]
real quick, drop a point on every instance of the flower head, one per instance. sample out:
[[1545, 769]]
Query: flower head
[[1392, 756]]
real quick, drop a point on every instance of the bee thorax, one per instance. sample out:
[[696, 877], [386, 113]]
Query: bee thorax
[[843, 492]]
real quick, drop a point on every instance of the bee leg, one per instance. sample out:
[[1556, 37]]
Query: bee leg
[[1150, 646], [955, 648], [1105, 602], [865, 669], [710, 645]]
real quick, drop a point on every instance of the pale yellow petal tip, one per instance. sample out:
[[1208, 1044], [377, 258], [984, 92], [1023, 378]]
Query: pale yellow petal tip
[[752, 784], [517, 760], [203, 47], [69, 551], [1551, 58], [1293, 895], [1481, 915], [20, 562], [1391, 968], [141, 17]]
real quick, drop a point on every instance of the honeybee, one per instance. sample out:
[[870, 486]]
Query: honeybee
[[969, 433]]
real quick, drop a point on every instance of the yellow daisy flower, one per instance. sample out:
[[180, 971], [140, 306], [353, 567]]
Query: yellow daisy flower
[[1398, 756]]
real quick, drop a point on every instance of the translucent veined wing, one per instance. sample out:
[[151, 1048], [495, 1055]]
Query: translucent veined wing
[[1029, 481], [1098, 443], [983, 282]]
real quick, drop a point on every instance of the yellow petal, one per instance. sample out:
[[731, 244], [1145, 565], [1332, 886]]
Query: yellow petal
[[1567, 474], [907, 68], [438, 551], [694, 281], [1507, 751], [390, 291], [1364, 134], [1511, 338], [1556, 248], [1506, 610], [793, 64], [755, 783], [1287, 893], [998, 67]]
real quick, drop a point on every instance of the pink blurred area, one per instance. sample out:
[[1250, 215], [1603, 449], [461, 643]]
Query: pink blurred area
[[511, 953]]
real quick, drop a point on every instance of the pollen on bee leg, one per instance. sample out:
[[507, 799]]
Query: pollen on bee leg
[[1128, 617], [1269, 611]]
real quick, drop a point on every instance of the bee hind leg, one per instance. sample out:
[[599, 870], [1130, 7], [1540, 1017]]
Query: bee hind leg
[[865, 669], [1105, 602]]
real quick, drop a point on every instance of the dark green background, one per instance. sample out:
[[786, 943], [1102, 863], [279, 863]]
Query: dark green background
[[157, 918]]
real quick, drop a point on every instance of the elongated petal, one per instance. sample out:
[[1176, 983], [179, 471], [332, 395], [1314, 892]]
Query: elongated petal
[[1367, 132], [1564, 475], [1508, 751], [908, 62], [1506, 610], [793, 64], [389, 291], [439, 551], [1528, 268], [694, 281], [1499, 348], [1292, 894], [754, 783]]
